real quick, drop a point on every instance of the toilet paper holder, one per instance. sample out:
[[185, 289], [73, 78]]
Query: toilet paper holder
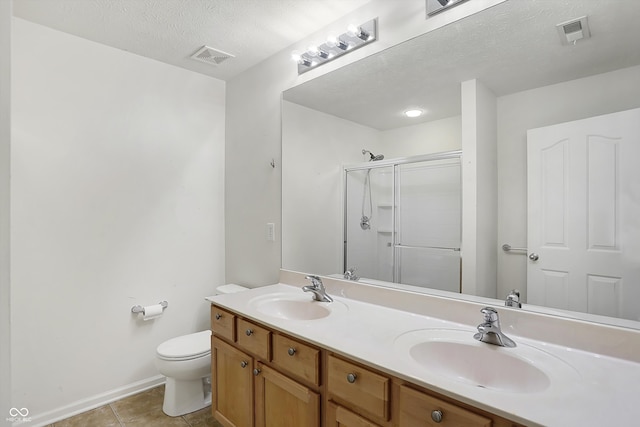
[[140, 309]]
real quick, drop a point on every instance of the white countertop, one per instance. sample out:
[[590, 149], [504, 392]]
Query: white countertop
[[597, 389]]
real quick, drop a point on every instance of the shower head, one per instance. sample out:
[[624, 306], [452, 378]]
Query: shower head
[[373, 157]]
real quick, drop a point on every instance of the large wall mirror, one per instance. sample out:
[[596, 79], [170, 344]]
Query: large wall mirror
[[517, 51]]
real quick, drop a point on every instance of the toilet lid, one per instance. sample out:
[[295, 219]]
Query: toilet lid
[[186, 346]]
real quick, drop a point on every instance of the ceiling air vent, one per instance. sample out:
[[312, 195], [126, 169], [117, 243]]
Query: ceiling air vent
[[211, 56], [572, 31]]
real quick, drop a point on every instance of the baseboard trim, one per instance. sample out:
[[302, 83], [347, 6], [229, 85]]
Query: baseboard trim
[[93, 402]]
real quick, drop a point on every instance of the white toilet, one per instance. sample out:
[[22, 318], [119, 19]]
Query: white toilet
[[186, 362]]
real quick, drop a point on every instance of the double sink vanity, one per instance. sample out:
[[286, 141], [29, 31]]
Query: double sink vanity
[[388, 357]]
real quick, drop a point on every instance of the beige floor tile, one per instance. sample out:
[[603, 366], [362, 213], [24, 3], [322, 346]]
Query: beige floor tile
[[102, 416], [145, 405], [202, 418]]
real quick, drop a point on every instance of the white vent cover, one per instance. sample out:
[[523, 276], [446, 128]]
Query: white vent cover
[[211, 56], [572, 31]]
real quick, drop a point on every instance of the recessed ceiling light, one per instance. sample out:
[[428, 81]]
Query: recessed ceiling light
[[413, 113]]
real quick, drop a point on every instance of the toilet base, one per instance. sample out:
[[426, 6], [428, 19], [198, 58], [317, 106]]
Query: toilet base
[[185, 396]]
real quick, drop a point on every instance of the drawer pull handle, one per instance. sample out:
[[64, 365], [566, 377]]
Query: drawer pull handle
[[437, 415], [244, 364], [249, 332], [218, 316], [351, 378], [256, 372], [291, 351]]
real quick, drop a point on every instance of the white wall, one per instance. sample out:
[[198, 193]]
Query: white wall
[[479, 186], [424, 138], [317, 147], [5, 153], [117, 199], [578, 99]]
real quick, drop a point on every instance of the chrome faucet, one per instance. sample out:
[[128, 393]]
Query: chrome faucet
[[350, 274], [489, 331], [317, 288], [513, 299]]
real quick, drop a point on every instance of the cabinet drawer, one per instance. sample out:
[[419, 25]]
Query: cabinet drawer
[[223, 323], [297, 358], [417, 409], [337, 416], [358, 386], [253, 338]]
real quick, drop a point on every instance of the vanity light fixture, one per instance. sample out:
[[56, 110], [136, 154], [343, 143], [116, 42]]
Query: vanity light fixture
[[413, 113], [355, 37]]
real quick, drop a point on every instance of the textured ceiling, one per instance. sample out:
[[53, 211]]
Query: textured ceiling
[[511, 47], [172, 30]]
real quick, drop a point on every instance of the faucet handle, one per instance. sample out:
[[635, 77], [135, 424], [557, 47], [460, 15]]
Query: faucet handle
[[513, 299], [315, 280], [490, 314]]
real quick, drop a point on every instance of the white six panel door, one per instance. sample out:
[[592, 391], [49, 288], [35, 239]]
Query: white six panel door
[[584, 215]]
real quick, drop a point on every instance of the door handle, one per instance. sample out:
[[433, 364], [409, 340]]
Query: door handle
[[533, 256]]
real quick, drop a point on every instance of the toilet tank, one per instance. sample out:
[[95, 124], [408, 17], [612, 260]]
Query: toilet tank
[[229, 289]]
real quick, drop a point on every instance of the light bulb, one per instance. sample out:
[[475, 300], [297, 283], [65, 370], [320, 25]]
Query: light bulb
[[312, 50], [413, 113]]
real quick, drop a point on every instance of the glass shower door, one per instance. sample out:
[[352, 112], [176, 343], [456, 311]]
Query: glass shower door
[[368, 228], [428, 215]]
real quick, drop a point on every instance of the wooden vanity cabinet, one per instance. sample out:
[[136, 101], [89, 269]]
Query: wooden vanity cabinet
[[283, 402], [419, 409], [358, 387], [232, 397], [338, 416], [248, 390], [264, 378]]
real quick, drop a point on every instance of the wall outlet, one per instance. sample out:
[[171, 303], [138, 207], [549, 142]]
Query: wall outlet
[[271, 232]]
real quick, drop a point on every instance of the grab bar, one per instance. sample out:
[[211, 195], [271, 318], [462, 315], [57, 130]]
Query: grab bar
[[507, 248]]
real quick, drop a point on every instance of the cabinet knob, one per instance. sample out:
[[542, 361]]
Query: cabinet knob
[[218, 316], [256, 372], [351, 378], [244, 364], [437, 415], [249, 332], [291, 351]]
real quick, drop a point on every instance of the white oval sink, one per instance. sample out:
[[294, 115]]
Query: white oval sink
[[291, 306], [456, 355]]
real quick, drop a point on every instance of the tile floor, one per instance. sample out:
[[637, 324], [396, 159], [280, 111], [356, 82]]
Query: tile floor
[[139, 410]]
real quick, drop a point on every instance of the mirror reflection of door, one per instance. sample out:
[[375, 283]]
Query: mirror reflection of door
[[584, 215]]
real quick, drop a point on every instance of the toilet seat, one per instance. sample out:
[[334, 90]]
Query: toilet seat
[[186, 347]]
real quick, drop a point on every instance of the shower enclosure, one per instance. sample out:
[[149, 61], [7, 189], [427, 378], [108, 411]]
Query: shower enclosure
[[402, 220]]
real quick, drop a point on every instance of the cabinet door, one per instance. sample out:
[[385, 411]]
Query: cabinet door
[[231, 385], [282, 402], [420, 410], [337, 416]]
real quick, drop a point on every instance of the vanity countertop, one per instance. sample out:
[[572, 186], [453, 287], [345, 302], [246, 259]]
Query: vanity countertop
[[596, 389]]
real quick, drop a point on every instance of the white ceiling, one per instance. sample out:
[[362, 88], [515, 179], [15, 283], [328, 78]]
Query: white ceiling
[[511, 47], [172, 30]]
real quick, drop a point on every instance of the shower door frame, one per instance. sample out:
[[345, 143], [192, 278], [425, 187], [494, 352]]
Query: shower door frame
[[394, 163]]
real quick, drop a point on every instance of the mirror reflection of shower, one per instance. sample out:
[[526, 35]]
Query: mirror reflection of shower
[[365, 220]]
